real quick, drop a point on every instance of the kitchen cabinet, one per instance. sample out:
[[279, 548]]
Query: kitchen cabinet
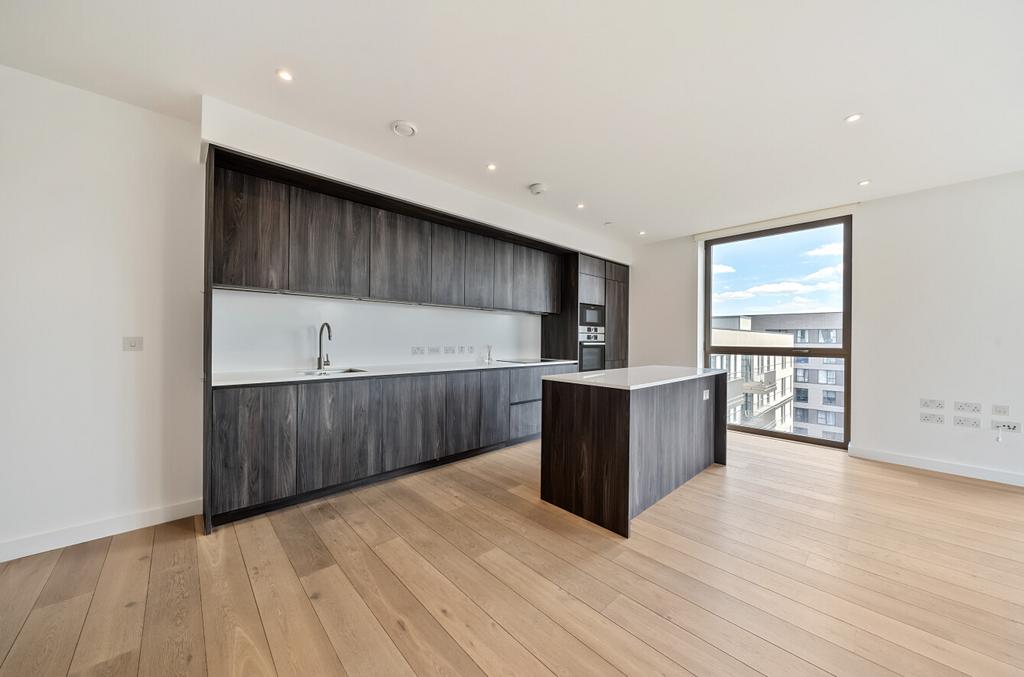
[[339, 433], [249, 231], [447, 266], [413, 420], [591, 266], [524, 419], [253, 442], [479, 271], [592, 290], [537, 280], [616, 320], [329, 245], [462, 411], [494, 403], [525, 384], [504, 278], [616, 271], [399, 257]]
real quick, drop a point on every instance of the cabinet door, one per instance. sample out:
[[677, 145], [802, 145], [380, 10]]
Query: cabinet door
[[591, 266], [462, 411], [525, 384], [479, 271], [447, 266], [536, 276], [494, 403], [339, 432], [524, 419], [504, 277], [592, 290], [412, 411], [616, 320], [399, 257], [551, 280], [329, 245], [253, 446], [249, 238], [616, 271]]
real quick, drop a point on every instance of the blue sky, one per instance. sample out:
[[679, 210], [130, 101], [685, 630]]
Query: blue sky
[[797, 272]]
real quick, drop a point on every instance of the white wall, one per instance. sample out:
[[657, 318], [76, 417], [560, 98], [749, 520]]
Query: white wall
[[101, 236], [663, 303], [937, 299], [257, 331], [238, 129]]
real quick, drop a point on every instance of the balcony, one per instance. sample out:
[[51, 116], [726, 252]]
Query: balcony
[[762, 383]]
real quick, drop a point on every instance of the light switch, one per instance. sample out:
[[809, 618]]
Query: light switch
[[707, 394], [131, 343]]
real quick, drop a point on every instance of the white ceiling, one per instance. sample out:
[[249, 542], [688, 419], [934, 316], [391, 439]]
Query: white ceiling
[[672, 117]]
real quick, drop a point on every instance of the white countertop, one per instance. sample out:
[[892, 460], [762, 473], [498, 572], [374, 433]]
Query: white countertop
[[243, 378], [634, 378]]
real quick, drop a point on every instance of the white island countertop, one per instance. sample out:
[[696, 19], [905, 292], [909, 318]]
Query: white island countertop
[[635, 378], [237, 378]]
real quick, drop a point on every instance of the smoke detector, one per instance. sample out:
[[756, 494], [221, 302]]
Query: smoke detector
[[538, 188], [404, 128]]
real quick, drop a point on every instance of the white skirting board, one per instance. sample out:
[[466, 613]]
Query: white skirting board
[[30, 545], [948, 467]]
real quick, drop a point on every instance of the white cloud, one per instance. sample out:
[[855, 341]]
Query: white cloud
[[781, 288], [826, 273], [831, 249], [719, 268], [732, 295]]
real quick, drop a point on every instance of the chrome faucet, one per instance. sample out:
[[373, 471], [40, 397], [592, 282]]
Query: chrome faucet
[[321, 361]]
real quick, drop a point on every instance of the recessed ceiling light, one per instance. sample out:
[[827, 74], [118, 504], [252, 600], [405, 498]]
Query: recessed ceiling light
[[643, 232], [404, 128], [855, 117], [491, 167], [865, 182], [284, 74], [580, 205]]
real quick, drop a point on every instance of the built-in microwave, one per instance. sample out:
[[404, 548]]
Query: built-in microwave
[[591, 315]]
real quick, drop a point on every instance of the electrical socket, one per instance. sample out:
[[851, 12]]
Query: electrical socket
[[933, 418], [1000, 410], [462, 350], [1006, 426], [967, 422], [419, 350], [449, 350], [433, 350], [932, 404], [968, 407]]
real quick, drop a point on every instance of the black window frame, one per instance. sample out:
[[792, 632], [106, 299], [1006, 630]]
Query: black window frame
[[841, 350]]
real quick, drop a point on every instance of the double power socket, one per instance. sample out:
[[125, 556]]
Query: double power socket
[[968, 415]]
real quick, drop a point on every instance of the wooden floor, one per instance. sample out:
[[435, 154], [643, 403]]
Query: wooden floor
[[794, 560]]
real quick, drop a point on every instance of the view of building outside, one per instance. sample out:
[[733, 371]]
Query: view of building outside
[[800, 395], [782, 291]]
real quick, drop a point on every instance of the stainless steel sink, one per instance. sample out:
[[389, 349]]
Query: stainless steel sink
[[330, 372]]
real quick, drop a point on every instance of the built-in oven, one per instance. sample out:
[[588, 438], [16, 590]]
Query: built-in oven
[[591, 316], [591, 356]]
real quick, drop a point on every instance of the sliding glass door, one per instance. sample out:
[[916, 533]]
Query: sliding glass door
[[777, 318]]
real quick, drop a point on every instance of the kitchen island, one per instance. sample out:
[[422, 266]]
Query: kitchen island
[[615, 442]]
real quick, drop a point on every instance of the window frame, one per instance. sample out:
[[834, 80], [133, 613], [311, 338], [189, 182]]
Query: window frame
[[836, 351]]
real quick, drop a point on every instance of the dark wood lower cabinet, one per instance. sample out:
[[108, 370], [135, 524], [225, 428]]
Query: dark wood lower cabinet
[[253, 444], [339, 433], [494, 402], [462, 411], [524, 419], [412, 413]]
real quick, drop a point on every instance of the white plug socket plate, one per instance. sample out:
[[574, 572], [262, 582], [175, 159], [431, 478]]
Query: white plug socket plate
[[932, 404], [967, 422], [967, 407], [926, 417]]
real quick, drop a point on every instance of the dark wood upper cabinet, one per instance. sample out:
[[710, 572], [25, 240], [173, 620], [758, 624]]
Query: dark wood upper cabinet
[[399, 257], [462, 411], [494, 406], [413, 419], [339, 433], [249, 234], [479, 271], [592, 290], [591, 266], [253, 441], [329, 245], [616, 319], [536, 280], [616, 271], [447, 266], [504, 278]]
